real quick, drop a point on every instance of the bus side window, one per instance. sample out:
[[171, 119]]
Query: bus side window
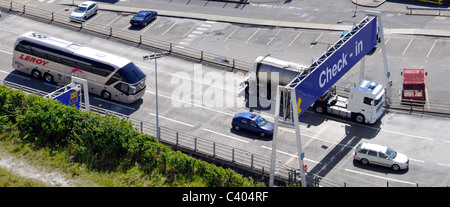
[[23, 48]]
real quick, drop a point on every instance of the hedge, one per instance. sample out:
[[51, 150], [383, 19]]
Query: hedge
[[105, 143]]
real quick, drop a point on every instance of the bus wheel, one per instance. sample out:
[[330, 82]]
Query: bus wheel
[[36, 74], [48, 78], [106, 95]]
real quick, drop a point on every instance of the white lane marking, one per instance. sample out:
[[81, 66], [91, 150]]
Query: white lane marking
[[9, 53], [120, 105], [294, 39], [296, 156], [192, 104], [317, 40], [252, 35], [148, 26], [384, 44], [273, 37], [173, 120], [241, 140], [447, 165], [416, 160], [118, 16], [19, 76], [376, 176], [169, 28], [429, 52], [228, 37]]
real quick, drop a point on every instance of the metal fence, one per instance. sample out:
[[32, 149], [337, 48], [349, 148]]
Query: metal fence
[[188, 52]]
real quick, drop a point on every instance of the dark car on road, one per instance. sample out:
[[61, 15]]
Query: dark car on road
[[252, 122], [142, 18]]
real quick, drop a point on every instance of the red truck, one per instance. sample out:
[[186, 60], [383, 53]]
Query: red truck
[[414, 86]]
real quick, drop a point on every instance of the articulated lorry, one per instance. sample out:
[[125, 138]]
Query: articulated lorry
[[364, 104]]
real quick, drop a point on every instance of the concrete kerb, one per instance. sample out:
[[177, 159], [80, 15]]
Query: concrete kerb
[[369, 3], [259, 22], [219, 18]]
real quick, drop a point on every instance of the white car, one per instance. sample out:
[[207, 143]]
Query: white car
[[377, 154], [84, 11]]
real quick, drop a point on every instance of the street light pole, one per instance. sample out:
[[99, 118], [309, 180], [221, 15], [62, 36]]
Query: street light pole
[[155, 56]]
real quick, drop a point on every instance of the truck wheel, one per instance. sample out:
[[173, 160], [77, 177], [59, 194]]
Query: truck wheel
[[359, 118], [319, 109], [236, 127]]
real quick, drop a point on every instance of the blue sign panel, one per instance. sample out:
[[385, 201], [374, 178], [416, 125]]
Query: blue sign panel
[[70, 98], [335, 66]]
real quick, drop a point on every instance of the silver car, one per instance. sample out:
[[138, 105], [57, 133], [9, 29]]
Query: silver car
[[368, 153], [84, 11]]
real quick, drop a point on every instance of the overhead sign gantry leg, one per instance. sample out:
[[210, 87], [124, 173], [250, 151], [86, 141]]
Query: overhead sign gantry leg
[[313, 82]]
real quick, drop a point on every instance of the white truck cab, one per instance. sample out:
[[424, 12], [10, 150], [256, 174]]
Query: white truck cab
[[363, 105]]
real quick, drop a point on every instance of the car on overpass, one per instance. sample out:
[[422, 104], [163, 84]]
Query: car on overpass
[[252, 122], [142, 18], [84, 11]]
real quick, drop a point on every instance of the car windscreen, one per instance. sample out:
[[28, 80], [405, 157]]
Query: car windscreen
[[131, 73], [80, 9], [391, 153], [261, 121]]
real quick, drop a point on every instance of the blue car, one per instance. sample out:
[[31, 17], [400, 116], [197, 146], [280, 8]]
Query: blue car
[[252, 122], [142, 18]]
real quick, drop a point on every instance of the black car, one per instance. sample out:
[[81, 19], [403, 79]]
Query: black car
[[142, 18]]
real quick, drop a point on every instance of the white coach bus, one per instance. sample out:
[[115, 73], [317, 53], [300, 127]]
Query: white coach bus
[[55, 60]]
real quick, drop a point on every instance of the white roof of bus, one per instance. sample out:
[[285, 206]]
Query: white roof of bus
[[80, 50]]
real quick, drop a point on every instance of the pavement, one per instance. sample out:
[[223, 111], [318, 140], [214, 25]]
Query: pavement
[[368, 3], [273, 23]]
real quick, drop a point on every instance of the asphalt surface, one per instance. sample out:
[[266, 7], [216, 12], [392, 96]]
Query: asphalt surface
[[328, 142]]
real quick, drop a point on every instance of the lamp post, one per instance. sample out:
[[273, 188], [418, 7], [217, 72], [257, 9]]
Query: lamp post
[[155, 56]]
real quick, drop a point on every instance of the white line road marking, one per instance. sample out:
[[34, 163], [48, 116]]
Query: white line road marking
[[317, 40], [252, 35], [385, 43], [431, 48], [148, 26], [241, 140], [407, 46], [273, 37], [19, 76], [120, 105], [118, 16], [190, 30], [294, 39], [173, 120], [296, 156], [376, 176], [447, 165], [193, 104], [9, 53], [92, 19], [416, 160], [169, 28]]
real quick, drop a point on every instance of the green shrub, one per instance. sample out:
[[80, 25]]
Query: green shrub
[[106, 143]]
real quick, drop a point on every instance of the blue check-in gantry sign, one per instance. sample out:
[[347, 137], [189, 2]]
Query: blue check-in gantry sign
[[325, 75], [70, 98]]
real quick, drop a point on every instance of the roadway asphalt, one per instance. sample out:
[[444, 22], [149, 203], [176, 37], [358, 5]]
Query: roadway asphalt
[[265, 22]]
